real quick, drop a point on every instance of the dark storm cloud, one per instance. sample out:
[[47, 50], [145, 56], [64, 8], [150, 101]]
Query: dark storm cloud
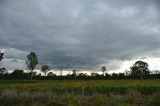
[[84, 33]]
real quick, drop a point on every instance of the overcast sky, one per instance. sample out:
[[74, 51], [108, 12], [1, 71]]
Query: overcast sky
[[82, 33]]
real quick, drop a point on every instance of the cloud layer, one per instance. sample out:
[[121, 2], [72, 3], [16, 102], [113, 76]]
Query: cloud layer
[[84, 33]]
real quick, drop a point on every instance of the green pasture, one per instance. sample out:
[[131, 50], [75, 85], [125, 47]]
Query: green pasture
[[85, 87]]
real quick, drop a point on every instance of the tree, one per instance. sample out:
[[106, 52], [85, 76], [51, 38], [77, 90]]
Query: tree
[[51, 74], [31, 62], [114, 76], [93, 74], [18, 74], [1, 55], [121, 75], [45, 69], [108, 76], [74, 72], [140, 69], [103, 69], [2, 71], [82, 75]]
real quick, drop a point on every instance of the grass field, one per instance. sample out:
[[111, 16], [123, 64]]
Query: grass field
[[80, 93]]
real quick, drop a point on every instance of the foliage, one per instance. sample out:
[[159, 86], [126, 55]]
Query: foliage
[[31, 62], [103, 69], [1, 55], [49, 98], [51, 74], [45, 69], [88, 87], [80, 76], [18, 74], [2, 72], [80, 93], [140, 69], [74, 72]]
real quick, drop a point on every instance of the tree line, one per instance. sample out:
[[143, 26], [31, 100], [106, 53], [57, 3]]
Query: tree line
[[139, 70]]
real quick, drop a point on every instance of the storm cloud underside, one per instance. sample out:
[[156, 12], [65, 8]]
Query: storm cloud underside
[[83, 33]]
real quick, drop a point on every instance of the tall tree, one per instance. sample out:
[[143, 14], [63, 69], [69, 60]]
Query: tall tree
[[2, 70], [1, 55], [31, 62], [45, 69], [74, 72], [140, 69], [103, 69]]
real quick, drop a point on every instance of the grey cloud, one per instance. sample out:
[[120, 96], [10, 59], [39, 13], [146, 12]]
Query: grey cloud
[[85, 33]]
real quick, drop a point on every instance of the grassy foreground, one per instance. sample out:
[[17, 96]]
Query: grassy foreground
[[80, 93]]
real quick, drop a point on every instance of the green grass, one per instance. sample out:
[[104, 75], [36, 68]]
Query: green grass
[[80, 93], [91, 86], [48, 98]]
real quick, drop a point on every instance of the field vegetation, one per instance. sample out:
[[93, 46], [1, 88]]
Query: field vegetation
[[80, 93]]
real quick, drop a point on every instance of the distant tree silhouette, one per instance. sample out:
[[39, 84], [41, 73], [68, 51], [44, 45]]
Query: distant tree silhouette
[[108, 76], [51, 74], [34, 73], [45, 68], [17, 74], [1, 55], [121, 75], [115, 76], [103, 70], [140, 69], [2, 71], [74, 72], [93, 74], [31, 62], [82, 75]]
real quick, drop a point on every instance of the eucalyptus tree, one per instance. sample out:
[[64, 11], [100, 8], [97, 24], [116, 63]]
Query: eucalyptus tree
[[1, 55], [45, 68], [140, 69], [31, 62], [2, 70], [103, 69]]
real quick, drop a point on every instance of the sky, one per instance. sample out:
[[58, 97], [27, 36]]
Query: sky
[[86, 34]]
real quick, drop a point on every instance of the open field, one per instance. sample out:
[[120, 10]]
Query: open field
[[90, 86], [80, 93]]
